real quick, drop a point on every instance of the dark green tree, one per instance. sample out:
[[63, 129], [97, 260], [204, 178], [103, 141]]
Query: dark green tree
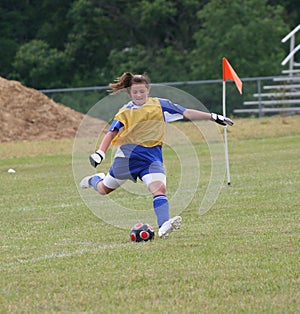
[[12, 33], [37, 65], [97, 28], [53, 24], [292, 11], [160, 37], [248, 32], [93, 41]]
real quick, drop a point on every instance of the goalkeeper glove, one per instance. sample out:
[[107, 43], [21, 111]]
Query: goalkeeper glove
[[220, 119], [97, 157]]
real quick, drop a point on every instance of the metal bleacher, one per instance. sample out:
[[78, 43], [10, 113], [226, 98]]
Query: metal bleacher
[[284, 95]]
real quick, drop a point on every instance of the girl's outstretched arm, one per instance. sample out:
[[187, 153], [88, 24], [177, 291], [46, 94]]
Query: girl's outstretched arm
[[192, 114]]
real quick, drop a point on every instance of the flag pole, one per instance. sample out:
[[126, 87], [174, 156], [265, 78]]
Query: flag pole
[[228, 73], [225, 133]]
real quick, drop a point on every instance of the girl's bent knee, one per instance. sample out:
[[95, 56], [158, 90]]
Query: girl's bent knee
[[103, 190]]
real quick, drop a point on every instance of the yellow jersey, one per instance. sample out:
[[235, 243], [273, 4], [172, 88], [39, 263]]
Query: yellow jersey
[[144, 125]]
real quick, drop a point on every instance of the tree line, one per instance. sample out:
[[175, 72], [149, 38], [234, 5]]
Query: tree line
[[54, 43]]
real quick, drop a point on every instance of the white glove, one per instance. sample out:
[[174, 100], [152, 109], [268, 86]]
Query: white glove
[[220, 119], [97, 157]]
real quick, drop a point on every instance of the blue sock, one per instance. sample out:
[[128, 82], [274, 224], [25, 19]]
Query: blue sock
[[161, 208], [93, 181]]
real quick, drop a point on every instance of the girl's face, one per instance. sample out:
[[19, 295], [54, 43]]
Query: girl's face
[[139, 93]]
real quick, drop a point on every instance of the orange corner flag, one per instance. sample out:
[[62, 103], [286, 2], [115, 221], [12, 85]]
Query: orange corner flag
[[229, 74]]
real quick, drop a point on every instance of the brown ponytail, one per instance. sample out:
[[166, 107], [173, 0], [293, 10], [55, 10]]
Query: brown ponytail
[[127, 79]]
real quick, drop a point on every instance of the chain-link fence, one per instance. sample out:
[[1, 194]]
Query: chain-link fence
[[209, 92]]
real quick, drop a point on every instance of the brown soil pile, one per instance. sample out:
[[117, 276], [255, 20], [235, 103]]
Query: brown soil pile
[[27, 114]]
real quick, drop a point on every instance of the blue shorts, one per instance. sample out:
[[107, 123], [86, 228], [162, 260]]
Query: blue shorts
[[131, 169], [142, 161]]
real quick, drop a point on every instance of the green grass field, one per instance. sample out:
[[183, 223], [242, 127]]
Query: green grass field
[[242, 256]]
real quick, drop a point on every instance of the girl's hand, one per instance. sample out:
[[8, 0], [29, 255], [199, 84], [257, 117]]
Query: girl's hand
[[97, 157], [221, 119]]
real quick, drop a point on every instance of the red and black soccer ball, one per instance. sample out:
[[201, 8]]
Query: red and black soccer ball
[[142, 232]]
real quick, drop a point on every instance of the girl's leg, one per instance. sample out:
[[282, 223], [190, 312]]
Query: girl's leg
[[103, 189], [160, 199], [103, 184], [161, 206], [97, 183]]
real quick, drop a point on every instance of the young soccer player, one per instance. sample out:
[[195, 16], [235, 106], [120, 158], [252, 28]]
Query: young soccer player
[[138, 130]]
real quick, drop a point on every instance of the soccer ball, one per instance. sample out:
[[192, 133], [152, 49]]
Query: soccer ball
[[141, 232]]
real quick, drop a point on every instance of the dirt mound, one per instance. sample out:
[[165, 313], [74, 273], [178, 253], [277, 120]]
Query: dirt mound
[[27, 114]]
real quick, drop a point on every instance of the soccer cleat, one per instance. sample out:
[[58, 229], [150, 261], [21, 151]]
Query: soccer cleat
[[85, 182], [169, 226]]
